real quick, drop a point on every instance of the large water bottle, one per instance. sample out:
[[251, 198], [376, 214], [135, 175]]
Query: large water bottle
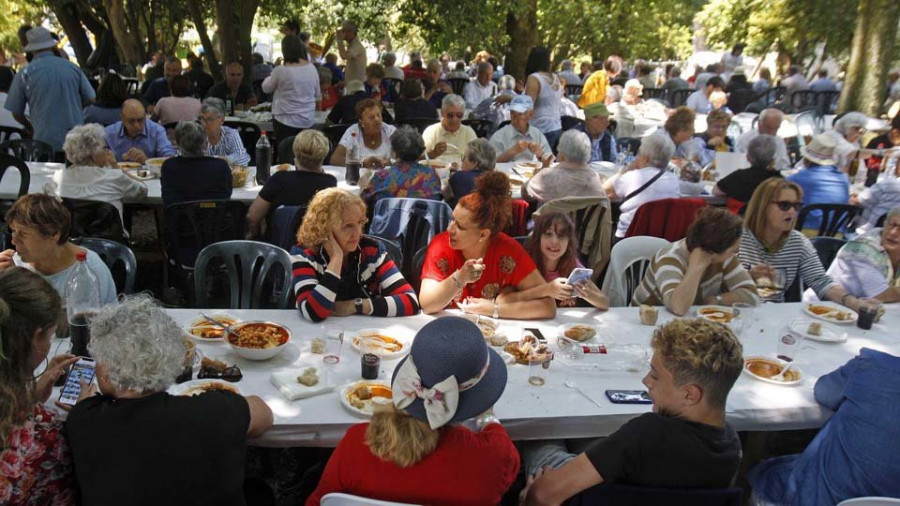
[[353, 162], [82, 302], [263, 158]]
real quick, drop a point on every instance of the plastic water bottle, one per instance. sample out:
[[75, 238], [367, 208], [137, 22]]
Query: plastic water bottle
[[82, 302], [263, 158], [353, 161]]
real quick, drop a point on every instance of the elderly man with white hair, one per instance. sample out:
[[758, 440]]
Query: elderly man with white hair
[[566, 72], [448, 139], [391, 70], [847, 131], [768, 124], [645, 180], [482, 87], [571, 177]]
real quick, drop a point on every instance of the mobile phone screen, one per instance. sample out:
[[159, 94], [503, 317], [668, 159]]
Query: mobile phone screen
[[628, 397], [83, 370], [537, 333], [578, 275]]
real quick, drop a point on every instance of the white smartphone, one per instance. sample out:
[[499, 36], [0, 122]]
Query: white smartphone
[[578, 275], [83, 370]]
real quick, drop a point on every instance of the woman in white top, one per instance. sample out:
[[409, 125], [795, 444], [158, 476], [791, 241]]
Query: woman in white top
[[94, 173], [847, 131], [370, 133], [544, 87], [296, 90]]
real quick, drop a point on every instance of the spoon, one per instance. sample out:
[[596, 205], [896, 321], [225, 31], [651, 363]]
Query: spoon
[[216, 323], [571, 384], [780, 376]]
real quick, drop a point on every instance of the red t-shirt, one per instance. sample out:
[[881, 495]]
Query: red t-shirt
[[506, 264], [466, 468]]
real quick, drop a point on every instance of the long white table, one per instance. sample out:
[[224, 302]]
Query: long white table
[[552, 410]]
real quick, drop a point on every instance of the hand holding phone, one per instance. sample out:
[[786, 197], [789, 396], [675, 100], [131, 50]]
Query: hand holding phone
[[628, 397], [578, 275], [82, 371]]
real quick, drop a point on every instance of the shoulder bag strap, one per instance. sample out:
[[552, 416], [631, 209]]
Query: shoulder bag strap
[[644, 186]]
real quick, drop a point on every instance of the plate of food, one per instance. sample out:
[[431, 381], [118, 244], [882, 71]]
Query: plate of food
[[363, 397], [141, 174], [129, 165], [580, 332], [527, 350], [388, 347], [203, 331], [718, 314], [300, 382], [767, 288], [818, 331], [830, 312], [282, 167], [490, 329], [197, 387], [258, 340], [155, 162], [765, 368]]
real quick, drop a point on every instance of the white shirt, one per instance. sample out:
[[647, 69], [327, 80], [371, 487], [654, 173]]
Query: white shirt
[[393, 73], [504, 139], [95, 183], [474, 92], [546, 108], [6, 117], [382, 151], [296, 91], [699, 102], [876, 201], [355, 68], [782, 160], [666, 187], [59, 280], [456, 141]]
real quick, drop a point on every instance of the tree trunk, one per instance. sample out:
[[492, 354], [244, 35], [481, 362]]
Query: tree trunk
[[115, 11], [210, 50], [870, 56], [522, 30], [235, 21], [67, 15]]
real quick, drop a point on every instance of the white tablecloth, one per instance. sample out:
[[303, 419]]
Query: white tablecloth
[[552, 410]]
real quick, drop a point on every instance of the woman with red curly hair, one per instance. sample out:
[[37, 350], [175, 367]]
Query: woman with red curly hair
[[475, 266]]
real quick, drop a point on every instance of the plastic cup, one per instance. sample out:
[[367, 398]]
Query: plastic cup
[[537, 370], [334, 342], [868, 312]]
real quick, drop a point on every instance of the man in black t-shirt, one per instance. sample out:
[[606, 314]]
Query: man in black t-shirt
[[234, 88], [684, 443]]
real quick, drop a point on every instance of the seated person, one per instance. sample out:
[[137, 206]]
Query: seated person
[[344, 111], [714, 139], [330, 95], [875, 163], [475, 266], [768, 124], [294, 187], [718, 101], [370, 134], [234, 88], [412, 103], [337, 271], [408, 178], [571, 177], [222, 141], [374, 83], [40, 226], [684, 443], [702, 268], [822, 182], [845, 135], [519, 141], [159, 87], [632, 185], [370, 460], [482, 87], [596, 126], [445, 141], [193, 175], [553, 246], [140, 350], [878, 198], [770, 242], [179, 105], [94, 173], [479, 158], [855, 453], [679, 126], [107, 109], [869, 266], [37, 467], [136, 138], [740, 184], [698, 101]]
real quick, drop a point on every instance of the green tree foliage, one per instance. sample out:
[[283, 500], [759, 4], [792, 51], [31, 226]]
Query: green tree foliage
[[15, 14]]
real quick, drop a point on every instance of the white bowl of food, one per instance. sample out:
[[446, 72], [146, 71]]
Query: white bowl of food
[[258, 340]]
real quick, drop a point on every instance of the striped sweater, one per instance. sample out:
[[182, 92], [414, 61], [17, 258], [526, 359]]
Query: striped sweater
[[378, 280], [797, 256], [667, 270]]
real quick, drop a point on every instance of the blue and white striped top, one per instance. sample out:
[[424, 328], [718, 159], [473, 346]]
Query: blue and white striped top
[[230, 146]]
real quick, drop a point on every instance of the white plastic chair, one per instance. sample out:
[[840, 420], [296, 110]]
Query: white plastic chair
[[629, 258], [870, 501], [339, 499]]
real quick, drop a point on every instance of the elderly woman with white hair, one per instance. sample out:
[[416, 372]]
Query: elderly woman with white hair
[[408, 178], [94, 173], [480, 157], [222, 141], [391, 71], [193, 175], [571, 177], [135, 443], [846, 134], [446, 140]]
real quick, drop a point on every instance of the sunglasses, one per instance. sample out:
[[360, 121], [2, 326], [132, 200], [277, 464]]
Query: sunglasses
[[232, 374], [786, 205]]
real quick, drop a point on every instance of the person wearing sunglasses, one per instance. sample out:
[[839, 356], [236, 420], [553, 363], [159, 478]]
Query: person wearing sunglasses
[[448, 139], [771, 244]]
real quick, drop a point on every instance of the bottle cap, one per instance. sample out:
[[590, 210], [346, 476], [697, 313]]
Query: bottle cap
[[81, 256]]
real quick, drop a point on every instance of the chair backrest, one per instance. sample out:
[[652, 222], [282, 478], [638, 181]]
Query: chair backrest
[[626, 495], [734, 130], [775, 94], [666, 218], [341, 499], [628, 145], [802, 100], [28, 150], [285, 222], [878, 224], [657, 93], [569, 122], [629, 258], [827, 248], [738, 100], [193, 225], [458, 84], [826, 102], [593, 222], [7, 133], [118, 257], [679, 97], [573, 90], [250, 134], [419, 124], [523, 240], [257, 272], [391, 216], [392, 248], [415, 274], [94, 218], [395, 86], [870, 501], [482, 127], [7, 161], [334, 134], [835, 217], [285, 152]]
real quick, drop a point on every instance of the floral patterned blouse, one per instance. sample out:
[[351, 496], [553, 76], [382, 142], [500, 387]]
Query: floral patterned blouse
[[404, 180], [35, 465]]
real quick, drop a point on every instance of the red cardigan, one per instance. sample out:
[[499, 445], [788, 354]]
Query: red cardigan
[[466, 468]]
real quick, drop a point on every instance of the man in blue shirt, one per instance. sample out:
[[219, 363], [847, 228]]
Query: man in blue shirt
[[135, 138], [55, 91], [596, 126], [820, 179], [823, 83], [855, 453]]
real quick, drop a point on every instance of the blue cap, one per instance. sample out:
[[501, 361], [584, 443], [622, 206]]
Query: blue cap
[[521, 103]]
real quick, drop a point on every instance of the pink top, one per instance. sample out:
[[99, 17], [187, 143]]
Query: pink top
[[171, 109]]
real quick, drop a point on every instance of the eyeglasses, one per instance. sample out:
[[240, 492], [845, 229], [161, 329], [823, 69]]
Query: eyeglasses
[[232, 374], [455, 115], [786, 205]]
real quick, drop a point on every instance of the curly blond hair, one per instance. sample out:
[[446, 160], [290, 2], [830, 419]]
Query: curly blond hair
[[397, 437], [702, 352], [324, 212]]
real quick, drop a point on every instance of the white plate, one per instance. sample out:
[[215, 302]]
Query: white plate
[[200, 322], [715, 313], [770, 381], [156, 162], [368, 407], [354, 342], [562, 329], [135, 173], [195, 387], [827, 316], [830, 333]]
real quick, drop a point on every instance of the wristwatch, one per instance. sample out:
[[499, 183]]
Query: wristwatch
[[359, 305]]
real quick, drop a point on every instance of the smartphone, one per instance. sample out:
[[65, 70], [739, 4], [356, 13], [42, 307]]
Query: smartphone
[[83, 370], [578, 275], [628, 397], [537, 334]]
